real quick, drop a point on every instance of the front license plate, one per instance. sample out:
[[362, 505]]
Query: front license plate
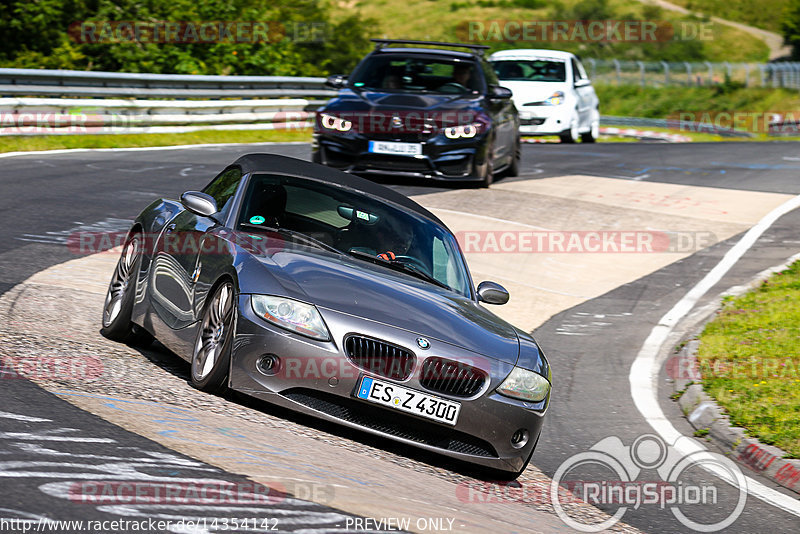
[[394, 148], [408, 400]]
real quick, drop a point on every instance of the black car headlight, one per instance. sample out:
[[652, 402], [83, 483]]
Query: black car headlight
[[525, 385], [465, 130], [292, 315], [330, 122]]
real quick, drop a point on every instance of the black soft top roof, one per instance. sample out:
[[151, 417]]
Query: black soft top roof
[[278, 164]]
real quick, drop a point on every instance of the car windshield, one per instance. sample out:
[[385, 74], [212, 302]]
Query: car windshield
[[357, 225], [398, 73], [532, 70]]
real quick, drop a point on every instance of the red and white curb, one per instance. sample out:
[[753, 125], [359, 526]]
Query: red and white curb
[[625, 132]]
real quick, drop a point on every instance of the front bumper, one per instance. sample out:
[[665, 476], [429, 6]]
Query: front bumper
[[543, 120], [441, 158], [317, 378]]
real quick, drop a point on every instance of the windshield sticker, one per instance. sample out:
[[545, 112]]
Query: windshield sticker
[[257, 219], [362, 215]]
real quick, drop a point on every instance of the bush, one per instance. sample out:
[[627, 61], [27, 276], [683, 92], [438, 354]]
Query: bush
[[36, 35]]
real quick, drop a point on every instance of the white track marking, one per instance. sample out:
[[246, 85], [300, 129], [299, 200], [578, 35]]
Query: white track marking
[[644, 371], [142, 148], [26, 418]]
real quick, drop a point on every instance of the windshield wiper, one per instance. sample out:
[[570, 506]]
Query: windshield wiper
[[295, 234], [399, 265]]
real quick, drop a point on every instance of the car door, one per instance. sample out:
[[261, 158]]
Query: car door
[[179, 258], [504, 115], [585, 95]]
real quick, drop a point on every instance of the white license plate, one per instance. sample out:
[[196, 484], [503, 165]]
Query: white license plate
[[397, 149], [408, 400]]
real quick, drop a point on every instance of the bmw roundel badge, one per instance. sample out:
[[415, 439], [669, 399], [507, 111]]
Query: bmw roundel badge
[[423, 343]]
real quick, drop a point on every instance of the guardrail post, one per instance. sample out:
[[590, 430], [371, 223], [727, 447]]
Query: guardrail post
[[593, 68], [747, 74], [710, 72], [666, 72], [641, 73], [618, 69], [763, 71], [688, 73], [728, 70]]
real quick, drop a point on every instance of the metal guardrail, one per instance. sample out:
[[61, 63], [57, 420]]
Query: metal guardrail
[[693, 74], [42, 82], [63, 116], [255, 102]]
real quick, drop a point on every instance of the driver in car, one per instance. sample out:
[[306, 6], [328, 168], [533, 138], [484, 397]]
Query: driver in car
[[462, 73], [394, 239]]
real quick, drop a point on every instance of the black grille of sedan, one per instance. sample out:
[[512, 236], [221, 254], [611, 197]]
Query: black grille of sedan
[[379, 357], [451, 378]]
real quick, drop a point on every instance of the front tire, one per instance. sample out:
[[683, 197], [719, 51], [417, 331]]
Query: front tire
[[212, 349], [488, 174], [592, 135], [118, 307], [513, 168], [570, 135]]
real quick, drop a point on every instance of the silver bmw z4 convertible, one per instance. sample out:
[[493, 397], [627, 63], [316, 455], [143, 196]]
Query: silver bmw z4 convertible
[[337, 297]]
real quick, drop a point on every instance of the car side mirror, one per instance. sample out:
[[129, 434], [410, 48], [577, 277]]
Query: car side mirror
[[199, 203], [336, 81], [497, 92], [582, 82], [492, 293]]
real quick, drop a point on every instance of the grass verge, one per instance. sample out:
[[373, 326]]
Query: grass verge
[[749, 356], [661, 103], [55, 142]]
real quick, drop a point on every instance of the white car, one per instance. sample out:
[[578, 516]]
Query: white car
[[552, 93]]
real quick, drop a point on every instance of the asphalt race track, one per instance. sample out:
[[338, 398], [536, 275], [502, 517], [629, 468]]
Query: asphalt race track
[[591, 314]]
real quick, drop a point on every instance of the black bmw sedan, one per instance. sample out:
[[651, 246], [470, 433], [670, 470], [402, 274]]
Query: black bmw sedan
[[412, 111]]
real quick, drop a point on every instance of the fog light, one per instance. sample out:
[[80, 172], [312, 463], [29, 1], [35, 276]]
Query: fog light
[[268, 364], [519, 439]]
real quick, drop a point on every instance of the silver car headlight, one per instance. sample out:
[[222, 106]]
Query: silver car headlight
[[525, 385], [292, 315], [556, 99]]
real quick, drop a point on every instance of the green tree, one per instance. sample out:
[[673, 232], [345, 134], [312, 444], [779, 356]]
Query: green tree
[[303, 38], [791, 27]]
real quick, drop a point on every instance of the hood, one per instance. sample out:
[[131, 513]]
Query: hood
[[401, 100], [357, 287], [525, 92]]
